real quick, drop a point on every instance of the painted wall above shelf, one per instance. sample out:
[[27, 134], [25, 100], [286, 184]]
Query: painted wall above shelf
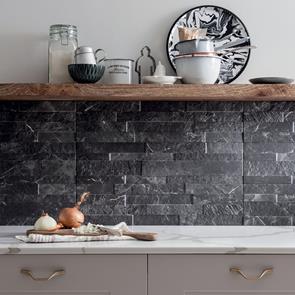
[[96, 92]]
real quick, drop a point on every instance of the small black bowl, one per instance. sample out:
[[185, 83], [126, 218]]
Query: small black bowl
[[86, 73]]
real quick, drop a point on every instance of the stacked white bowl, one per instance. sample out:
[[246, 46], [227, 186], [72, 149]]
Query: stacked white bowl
[[197, 62]]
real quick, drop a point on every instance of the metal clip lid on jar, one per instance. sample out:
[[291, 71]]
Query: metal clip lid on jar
[[58, 28]]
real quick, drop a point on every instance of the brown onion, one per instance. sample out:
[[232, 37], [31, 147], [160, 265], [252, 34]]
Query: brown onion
[[73, 217]]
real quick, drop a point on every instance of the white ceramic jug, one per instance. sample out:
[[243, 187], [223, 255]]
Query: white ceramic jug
[[86, 55]]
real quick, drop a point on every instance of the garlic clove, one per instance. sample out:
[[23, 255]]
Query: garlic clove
[[45, 222]]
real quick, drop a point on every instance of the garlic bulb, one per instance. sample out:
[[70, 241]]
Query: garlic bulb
[[45, 222]]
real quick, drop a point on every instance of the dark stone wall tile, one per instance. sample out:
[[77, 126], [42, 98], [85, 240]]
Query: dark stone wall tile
[[65, 137], [224, 190], [268, 208], [268, 220], [264, 117], [96, 188], [109, 219], [269, 189], [18, 187], [218, 117], [9, 106], [105, 136], [201, 219], [215, 106], [56, 189], [97, 147], [154, 116], [149, 188], [107, 106], [19, 136], [269, 106], [150, 106], [191, 168], [14, 168], [96, 117], [223, 148], [174, 147], [24, 209], [101, 179], [223, 209], [157, 131], [142, 179], [34, 127], [219, 126], [252, 127], [157, 199], [38, 116], [223, 137], [208, 157], [37, 151], [269, 132], [268, 168], [260, 197], [100, 126], [93, 168], [141, 156], [95, 208], [46, 106], [222, 179], [156, 220], [189, 163], [173, 209], [267, 179], [269, 148]]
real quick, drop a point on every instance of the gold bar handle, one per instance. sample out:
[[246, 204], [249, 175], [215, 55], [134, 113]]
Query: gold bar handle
[[29, 273], [266, 271]]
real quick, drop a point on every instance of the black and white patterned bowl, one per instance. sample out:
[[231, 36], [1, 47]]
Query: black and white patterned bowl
[[86, 73]]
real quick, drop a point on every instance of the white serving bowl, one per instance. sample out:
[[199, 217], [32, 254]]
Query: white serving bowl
[[201, 69]]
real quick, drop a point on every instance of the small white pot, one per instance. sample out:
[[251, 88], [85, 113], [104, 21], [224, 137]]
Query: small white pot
[[202, 69]]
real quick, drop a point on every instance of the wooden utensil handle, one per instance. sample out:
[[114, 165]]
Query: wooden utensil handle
[[141, 236]]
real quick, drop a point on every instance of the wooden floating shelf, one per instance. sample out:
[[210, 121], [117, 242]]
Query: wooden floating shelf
[[97, 92]]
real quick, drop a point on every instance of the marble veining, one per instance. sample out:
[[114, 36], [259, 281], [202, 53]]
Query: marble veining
[[171, 240]]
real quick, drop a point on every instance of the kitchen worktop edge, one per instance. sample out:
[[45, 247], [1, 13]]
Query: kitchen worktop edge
[[171, 240]]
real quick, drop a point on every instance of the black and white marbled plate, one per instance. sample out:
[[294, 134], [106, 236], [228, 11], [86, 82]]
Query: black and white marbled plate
[[223, 27]]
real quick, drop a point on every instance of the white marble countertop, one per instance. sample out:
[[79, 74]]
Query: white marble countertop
[[171, 240]]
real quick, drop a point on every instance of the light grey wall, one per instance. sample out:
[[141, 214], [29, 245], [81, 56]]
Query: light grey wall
[[122, 27]]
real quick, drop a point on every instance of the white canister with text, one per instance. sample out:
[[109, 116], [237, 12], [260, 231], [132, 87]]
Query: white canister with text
[[118, 71]]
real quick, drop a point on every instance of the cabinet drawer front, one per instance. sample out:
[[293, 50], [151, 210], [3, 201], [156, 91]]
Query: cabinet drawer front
[[100, 274], [192, 274]]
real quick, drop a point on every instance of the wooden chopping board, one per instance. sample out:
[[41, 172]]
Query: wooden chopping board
[[142, 236]]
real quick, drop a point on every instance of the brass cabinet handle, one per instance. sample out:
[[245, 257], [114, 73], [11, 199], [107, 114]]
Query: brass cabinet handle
[[29, 273], [265, 272]]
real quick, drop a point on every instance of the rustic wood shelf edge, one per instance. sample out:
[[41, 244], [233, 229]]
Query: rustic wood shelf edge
[[97, 92]]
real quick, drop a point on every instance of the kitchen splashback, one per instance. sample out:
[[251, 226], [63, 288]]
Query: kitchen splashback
[[188, 163]]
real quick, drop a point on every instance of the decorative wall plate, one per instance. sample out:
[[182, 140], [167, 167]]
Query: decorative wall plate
[[225, 28]]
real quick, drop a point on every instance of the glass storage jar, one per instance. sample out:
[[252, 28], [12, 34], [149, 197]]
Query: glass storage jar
[[63, 41]]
